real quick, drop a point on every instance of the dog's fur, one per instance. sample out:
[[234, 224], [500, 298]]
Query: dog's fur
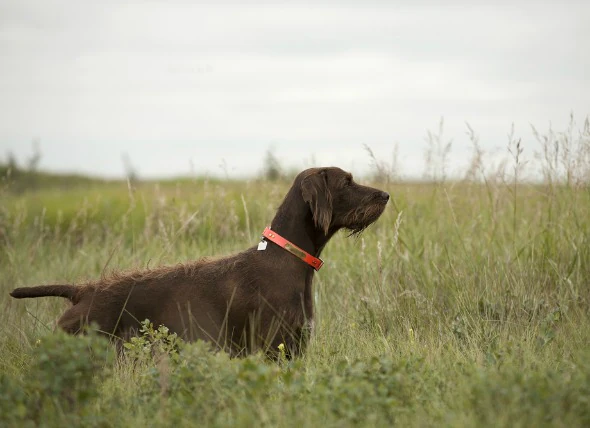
[[248, 301]]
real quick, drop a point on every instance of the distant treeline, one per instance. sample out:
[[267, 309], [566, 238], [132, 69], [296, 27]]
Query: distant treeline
[[18, 180], [15, 178]]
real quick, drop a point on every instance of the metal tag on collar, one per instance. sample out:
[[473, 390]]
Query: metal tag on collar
[[262, 245]]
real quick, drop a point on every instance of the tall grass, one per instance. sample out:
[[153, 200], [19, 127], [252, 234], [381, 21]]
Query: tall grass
[[467, 303]]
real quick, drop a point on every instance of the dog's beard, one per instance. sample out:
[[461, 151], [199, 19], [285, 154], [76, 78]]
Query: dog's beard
[[358, 220]]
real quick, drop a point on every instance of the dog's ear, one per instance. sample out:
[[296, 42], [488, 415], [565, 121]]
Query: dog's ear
[[314, 189]]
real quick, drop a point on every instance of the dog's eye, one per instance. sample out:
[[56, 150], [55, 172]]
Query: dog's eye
[[347, 182]]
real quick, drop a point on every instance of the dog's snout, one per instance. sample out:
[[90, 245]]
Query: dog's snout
[[384, 196]]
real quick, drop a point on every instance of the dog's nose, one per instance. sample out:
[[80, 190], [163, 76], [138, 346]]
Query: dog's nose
[[384, 196]]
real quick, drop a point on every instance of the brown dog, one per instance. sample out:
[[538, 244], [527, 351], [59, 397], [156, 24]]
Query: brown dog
[[252, 300]]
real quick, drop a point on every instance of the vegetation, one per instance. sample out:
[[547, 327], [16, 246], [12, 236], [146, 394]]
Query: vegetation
[[466, 304]]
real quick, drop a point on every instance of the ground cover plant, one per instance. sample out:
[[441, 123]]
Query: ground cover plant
[[466, 304]]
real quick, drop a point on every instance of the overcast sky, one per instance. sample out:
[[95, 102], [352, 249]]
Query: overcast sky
[[180, 87]]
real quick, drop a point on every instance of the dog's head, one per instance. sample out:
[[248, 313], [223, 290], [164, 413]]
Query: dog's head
[[337, 201]]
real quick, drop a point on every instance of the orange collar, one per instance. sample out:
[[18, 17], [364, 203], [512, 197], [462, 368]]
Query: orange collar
[[314, 262]]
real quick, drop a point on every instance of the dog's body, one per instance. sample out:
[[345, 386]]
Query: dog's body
[[248, 301]]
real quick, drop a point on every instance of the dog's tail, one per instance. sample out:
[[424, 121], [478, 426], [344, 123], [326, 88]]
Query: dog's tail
[[67, 291]]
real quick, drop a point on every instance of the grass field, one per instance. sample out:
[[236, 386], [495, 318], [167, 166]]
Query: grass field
[[466, 304]]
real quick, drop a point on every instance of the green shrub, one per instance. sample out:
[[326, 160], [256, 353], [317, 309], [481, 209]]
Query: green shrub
[[61, 383], [512, 396]]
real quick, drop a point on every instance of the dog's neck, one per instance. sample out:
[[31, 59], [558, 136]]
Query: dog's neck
[[296, 224]]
